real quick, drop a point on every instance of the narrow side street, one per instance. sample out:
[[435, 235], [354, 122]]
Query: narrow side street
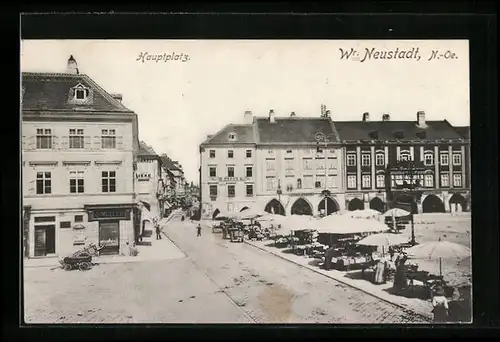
[[272, 290]]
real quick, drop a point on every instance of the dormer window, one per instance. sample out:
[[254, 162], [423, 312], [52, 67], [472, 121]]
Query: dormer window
[[373, 135], [421, 134], [232, 136], [80, 94], [399, 134]]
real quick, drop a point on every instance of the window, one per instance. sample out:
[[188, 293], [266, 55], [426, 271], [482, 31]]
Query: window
[[43, 183], [78, 218], [232, 136], [365, 160], [212, 170], [366, 181], [332, 182], [404, 155], [108, 138], [445, 180], [249, 188], [429, 180], [380, 181], [351, 160], [249, 171], [428, 159], [351, 182], [212, 153], [270, 165], [307, 164], [76, 182], [308, 182], [45, 219], [108, 181], [213, 190], [289, 164], [332, 163], [457, 180], [457, 159], [76, 138], [65, 224], [81, 92], [43, 138], [299, 183], [271, 183], [230, 171], [320, 164], [249, 153], [230, 153], [289, 151], [320, 182], [380, 159], [444, 159], [230, 191]]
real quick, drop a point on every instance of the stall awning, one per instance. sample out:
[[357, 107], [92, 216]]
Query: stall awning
[[167, 205]]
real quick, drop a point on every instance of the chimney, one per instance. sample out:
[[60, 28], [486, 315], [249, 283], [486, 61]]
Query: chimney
[[271, 116], [248, 117], [366, 116], [386, 117], [327, 113], [210, 136], [292, 114], [421, 119], [72, 66], [117, 97]]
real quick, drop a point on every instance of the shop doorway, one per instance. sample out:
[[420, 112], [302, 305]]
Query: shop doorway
[[45, 240], [109, 236]]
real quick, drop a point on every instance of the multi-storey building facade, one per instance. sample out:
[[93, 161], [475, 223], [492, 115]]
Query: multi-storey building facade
[[78, 144], [272, 164], [372, 148], [149, 181]]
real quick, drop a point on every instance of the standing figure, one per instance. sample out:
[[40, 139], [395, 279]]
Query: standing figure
[[400, 278], [198, 229], [158, 230], [379, 277], [440, 306]]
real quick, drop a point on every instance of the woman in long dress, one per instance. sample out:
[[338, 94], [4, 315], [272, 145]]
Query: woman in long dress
[[380, 271], [400, 278]]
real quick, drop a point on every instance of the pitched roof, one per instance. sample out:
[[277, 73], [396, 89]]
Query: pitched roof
[[146, 150], [168, 163], [52, 91], [359, 130], [463, 131], [294, 129], [244, 135]]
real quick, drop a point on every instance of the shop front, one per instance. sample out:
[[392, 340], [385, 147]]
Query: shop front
[[114, 226]]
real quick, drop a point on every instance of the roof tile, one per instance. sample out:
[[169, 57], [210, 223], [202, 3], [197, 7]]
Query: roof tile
[[294, 129]]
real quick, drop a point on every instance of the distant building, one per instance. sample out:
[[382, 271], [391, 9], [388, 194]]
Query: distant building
[[78, 144], [148, 178], [273, 164]]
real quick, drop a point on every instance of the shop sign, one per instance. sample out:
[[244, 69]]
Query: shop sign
[[230, 179], [109, 214], [354, 195]]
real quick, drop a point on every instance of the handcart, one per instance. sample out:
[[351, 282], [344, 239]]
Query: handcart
[[81, 259], [236, 235]]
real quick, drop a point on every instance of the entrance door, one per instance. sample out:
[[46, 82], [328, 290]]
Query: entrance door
[[45, 240], [109, 235]]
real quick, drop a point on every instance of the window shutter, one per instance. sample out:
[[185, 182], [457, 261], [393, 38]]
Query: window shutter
[[97, 142], [119, 142], [31, 142], [55, 142], [64, 142], [87, 143]]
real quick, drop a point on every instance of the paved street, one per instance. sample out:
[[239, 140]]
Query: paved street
[[272, 290], [218, 282]]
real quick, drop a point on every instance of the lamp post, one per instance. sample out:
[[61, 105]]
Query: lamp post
[[278, 191], [325, 139]]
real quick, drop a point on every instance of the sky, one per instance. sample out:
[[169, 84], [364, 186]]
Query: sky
[[197, 87]]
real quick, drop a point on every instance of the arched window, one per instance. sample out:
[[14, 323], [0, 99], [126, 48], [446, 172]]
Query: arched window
[[299, 183], [405, 155], [380, 180]]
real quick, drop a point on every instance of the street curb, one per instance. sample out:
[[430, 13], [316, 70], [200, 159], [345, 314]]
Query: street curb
[[340, 281]]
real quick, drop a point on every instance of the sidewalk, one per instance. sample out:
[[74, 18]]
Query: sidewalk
[[162, 249], [415, 305]]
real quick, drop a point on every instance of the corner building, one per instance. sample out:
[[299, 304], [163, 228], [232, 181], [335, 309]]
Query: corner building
[[78, 144], [273, 164]]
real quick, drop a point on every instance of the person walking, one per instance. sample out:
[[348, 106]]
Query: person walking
[[158, 230], [198, 229]]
